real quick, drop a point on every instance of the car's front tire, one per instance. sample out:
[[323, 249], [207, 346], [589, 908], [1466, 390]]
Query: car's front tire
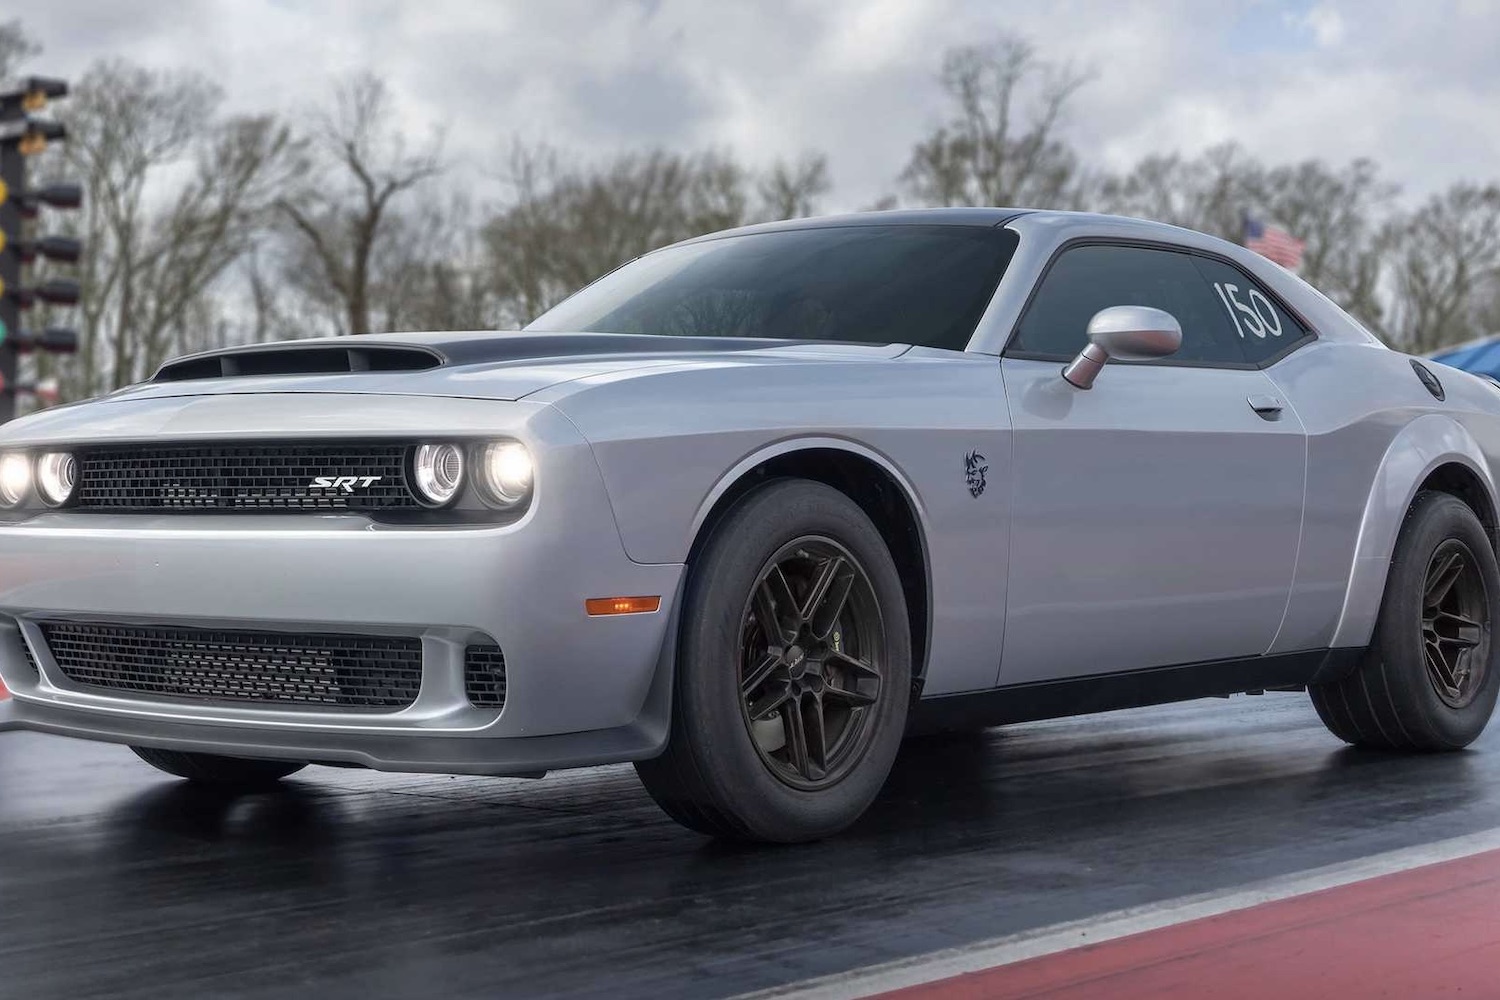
[[793, 671], [1431, 675], [222, 772]]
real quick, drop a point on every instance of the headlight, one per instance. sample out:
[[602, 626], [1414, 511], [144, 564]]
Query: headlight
[[15, 478], [439, 472], [56, 475], [507, 473]]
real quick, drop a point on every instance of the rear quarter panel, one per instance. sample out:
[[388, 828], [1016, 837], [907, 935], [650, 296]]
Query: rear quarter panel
[[1374, 434]]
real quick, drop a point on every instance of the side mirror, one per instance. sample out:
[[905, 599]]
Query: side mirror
[[1130, 333]]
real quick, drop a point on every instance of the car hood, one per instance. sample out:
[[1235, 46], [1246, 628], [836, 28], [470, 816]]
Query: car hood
[[501, 366]]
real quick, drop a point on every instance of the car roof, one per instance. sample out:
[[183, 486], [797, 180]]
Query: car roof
[[970, 216], [897, 217]]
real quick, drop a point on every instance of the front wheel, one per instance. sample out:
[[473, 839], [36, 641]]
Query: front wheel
[[1430, 677], [793, 671]]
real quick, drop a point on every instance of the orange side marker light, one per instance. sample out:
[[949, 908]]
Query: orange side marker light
[[597, 606]]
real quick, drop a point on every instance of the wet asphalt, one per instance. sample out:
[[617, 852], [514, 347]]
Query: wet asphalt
[[118, 881]]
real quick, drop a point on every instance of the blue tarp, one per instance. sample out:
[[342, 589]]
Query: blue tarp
[[1482, 357]]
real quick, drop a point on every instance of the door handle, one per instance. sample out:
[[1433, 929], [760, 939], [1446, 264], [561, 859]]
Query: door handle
[[1267, 406]]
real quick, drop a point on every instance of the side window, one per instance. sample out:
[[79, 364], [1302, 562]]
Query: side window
[[1086, 279], [1264, 328]]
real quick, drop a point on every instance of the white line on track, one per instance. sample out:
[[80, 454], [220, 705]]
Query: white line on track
[[982, 955]]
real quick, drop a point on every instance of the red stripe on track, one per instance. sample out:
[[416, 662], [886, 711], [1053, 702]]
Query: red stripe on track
[[1429, 931]]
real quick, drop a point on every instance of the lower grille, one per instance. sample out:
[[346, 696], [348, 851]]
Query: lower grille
[[484, 675], [280, 668]]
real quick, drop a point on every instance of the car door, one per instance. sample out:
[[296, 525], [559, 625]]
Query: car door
[[1157, 515]]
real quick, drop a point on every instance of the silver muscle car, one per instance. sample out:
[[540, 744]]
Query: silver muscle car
[[751, 507]]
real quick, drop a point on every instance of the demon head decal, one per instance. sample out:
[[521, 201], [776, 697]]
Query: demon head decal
[[975, 468]]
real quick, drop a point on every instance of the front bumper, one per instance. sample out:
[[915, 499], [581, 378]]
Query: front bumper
[[580, 690]]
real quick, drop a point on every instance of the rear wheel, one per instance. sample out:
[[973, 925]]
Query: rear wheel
[[793, 671], [224, 772], [1429, 679]]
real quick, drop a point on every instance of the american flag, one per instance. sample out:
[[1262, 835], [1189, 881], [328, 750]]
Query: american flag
[[1274, 242]]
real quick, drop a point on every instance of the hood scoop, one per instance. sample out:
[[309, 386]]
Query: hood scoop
[[421, 351], [298, 359]]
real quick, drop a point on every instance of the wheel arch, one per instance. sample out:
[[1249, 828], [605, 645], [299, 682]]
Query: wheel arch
[[1431, 452], [869, 479]]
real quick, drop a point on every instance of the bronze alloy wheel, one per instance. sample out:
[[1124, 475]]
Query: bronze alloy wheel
[[1426, 681], [811, 663], [1455, 624]]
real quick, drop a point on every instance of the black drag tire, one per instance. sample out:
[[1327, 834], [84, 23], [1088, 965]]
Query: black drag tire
[[714, 776], [221, 772], [1389, 701]]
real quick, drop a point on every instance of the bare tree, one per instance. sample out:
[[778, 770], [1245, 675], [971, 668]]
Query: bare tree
[[433, 275], [15, 47], [360, 163], [792, 190], [1001, 147], [1208, 193], [174, 196], [1341, 212], [1449, 258], [566, 226]]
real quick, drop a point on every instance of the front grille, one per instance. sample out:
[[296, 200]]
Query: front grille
[[244, 477], [484, 675], [279, 668]]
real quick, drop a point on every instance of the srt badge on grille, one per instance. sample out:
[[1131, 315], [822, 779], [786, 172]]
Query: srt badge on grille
[[345, 483]]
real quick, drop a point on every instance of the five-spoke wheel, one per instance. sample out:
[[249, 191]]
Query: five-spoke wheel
[[1428, 680], [811, 661], [1455, 623], [793, 670]]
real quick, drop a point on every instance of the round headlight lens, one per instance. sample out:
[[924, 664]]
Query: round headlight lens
[[56, 475], [15, 478], [508, 472], [439, 472]]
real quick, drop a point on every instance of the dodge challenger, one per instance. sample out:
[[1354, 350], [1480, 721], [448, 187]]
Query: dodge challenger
[[750, 508]]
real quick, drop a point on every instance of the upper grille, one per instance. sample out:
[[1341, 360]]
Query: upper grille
[[243, 477], [283, 668], [484, 675]]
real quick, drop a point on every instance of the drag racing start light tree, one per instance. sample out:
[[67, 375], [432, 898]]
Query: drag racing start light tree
[[22, 136]]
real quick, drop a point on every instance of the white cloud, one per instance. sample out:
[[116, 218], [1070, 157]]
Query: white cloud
[[1324, 22], [1412, 86]]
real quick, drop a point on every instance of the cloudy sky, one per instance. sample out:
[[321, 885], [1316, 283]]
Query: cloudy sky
[[1414, 84]]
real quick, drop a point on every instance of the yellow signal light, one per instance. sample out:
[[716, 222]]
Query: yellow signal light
[[598, 606], [2, 287], [2, 236], [32, 143], [34, 100], [4, 192]]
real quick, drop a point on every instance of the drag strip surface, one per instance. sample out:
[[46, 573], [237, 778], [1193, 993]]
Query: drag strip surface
[[1426, 931], [114, 879]]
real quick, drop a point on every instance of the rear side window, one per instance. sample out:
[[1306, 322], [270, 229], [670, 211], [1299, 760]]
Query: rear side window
[[1086, 279], [1264, 328], [1226, 318]]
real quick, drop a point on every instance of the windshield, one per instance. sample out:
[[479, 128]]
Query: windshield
[[864, 284]]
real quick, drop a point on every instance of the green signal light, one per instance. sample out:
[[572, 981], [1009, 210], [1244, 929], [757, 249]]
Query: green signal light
[[4, 332]]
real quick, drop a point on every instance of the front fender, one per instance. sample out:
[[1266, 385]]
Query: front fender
[[787, 446], [1425, 444]]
